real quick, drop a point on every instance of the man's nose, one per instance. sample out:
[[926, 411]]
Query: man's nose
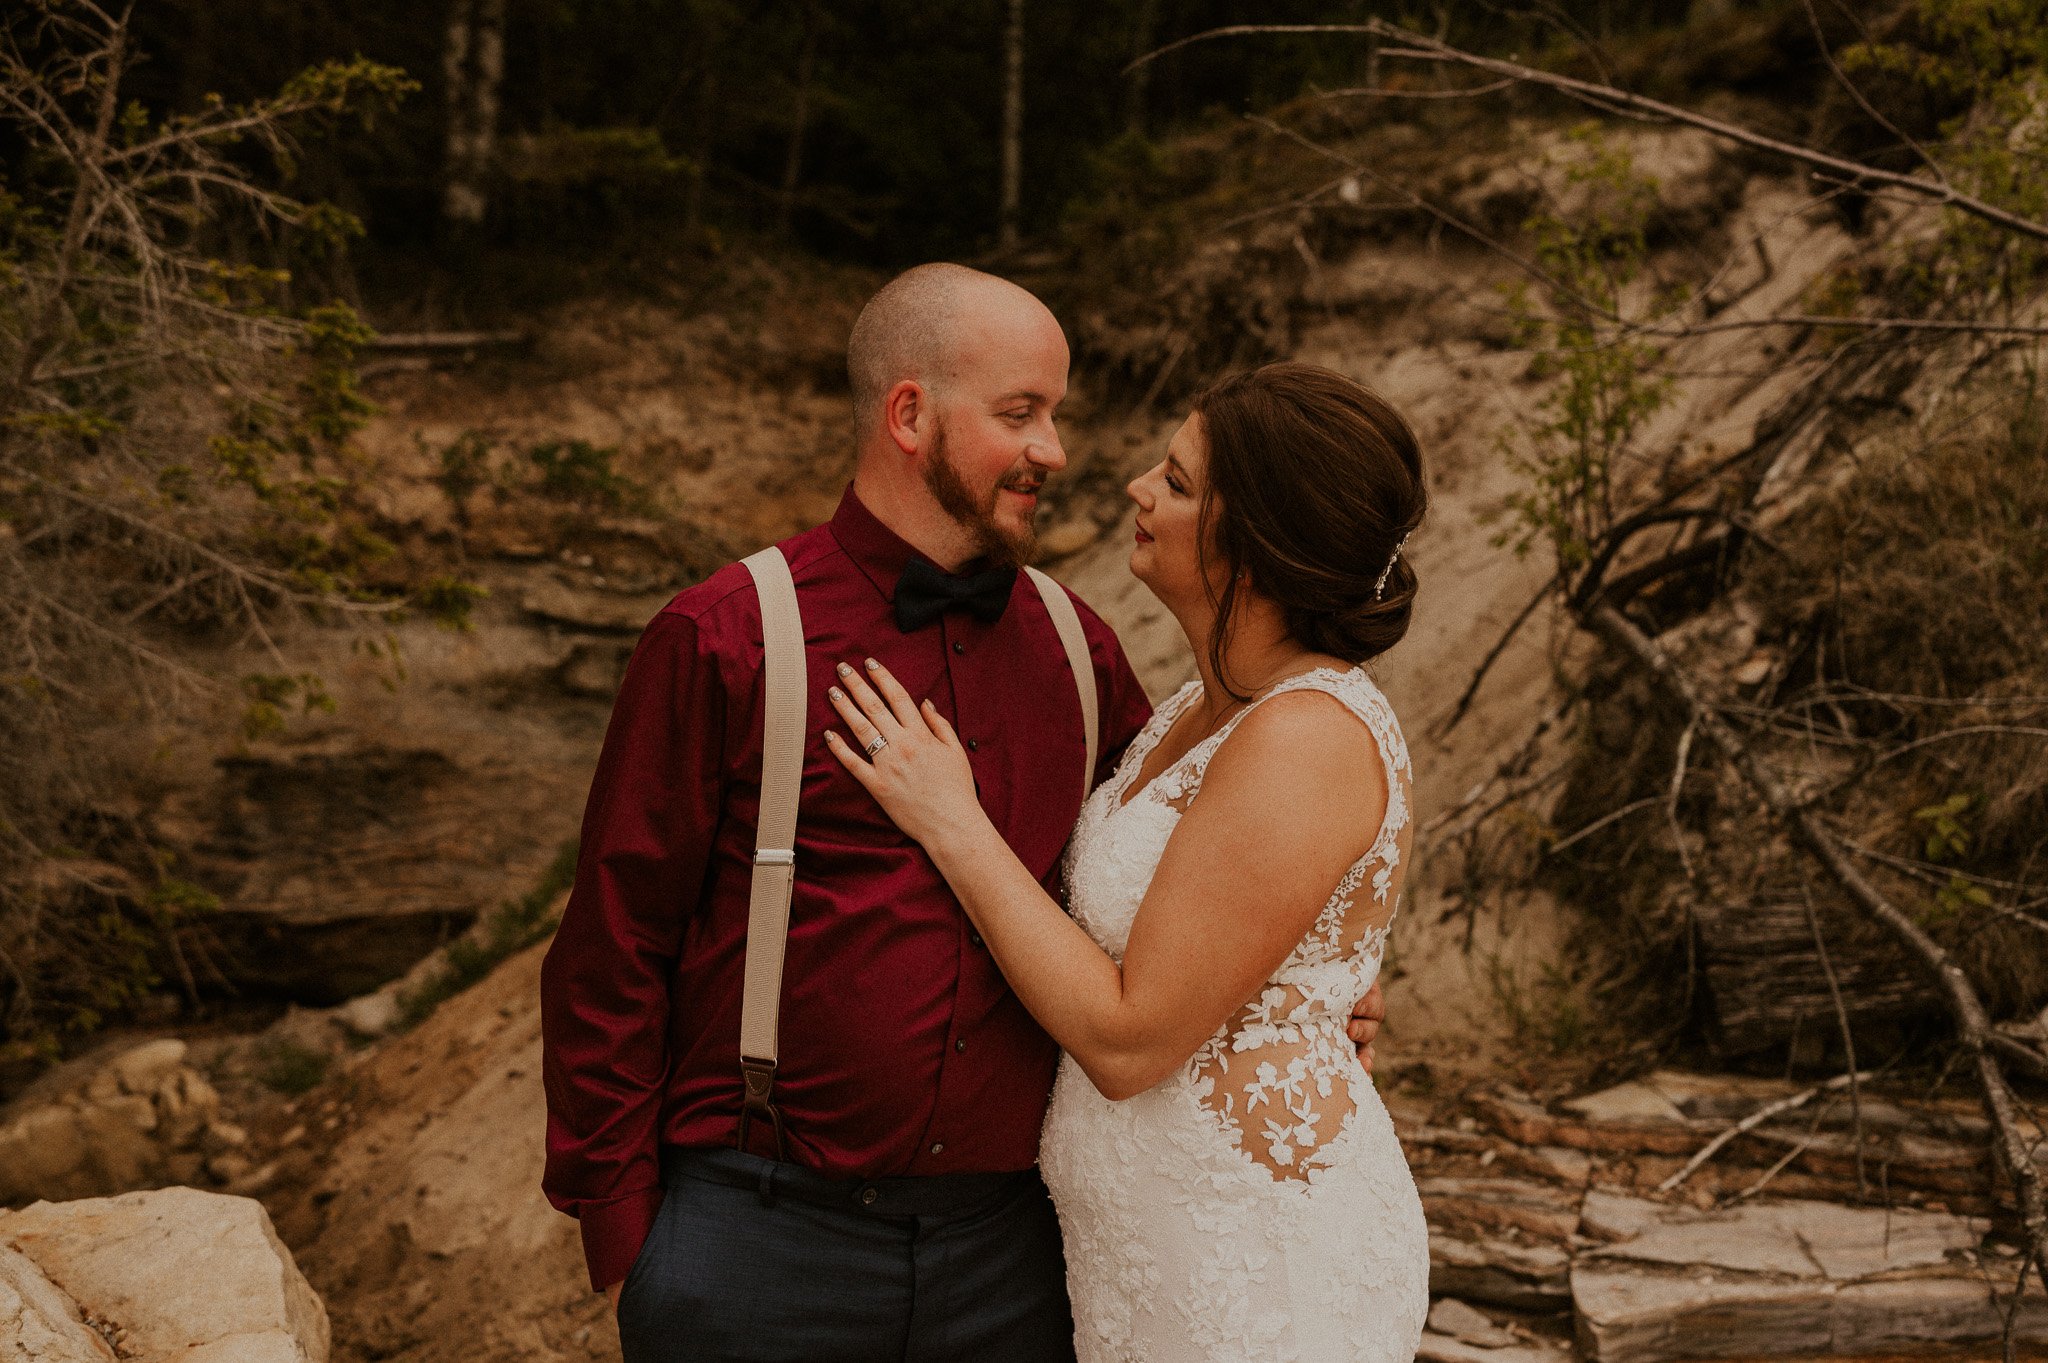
[[1048, 454]]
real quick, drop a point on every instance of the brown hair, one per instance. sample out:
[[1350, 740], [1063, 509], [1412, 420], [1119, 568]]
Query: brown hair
[[1312, 481]]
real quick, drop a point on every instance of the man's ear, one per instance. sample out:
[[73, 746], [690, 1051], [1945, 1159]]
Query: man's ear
[[906, 414]]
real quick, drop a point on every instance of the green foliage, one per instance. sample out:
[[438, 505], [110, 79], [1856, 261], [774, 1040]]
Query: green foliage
[[270, 694], [288, 1068], [1948, 836], [513, 927], [578, 471], [1989, 59], [1549, 1014], [448, 601], [465, 467], [1607, 384]]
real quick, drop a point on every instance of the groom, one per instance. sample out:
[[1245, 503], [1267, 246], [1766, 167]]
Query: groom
[[906, 1220]]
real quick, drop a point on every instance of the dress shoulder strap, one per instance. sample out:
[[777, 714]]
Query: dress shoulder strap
[[1358, 693]]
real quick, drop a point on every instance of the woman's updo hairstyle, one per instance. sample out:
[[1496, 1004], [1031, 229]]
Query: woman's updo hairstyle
[[1312, 482]]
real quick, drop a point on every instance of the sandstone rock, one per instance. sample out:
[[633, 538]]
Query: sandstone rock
[[38, 1323], [1558, 1163], [142, 1069], [129, 1259], [1499, 1203], [1449, 1316], [1645, 1314], [1438, 1348], [597, 612], [223, 1136], [1631, 1102], [1528, 1124], [119, 1153], [37, 1150], [1499, 1271], [229, 1167], [1801, 1239], [1771, 1279], [370, 1015], [1069, 537]]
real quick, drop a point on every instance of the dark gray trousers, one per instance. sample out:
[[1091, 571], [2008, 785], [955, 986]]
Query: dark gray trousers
[[754, 1261]]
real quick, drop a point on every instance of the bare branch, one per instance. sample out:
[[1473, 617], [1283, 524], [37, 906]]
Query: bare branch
[[1755, 1120], [1422, 47]]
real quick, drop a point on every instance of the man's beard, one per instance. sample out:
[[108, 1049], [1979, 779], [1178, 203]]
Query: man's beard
[[1003, 548]]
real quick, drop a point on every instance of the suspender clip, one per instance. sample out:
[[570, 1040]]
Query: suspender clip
[[758, 1100]]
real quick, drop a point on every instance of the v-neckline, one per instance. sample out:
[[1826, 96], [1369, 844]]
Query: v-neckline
[[1126, 797]]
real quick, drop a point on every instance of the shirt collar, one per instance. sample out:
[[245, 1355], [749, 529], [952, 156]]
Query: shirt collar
[[875, 549], [879, 552]]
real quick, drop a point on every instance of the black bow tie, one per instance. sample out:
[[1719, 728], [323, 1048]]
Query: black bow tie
[[925, 592]]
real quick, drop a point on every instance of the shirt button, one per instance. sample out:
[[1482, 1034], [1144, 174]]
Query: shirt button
[[961, 1044], [868, 1196], [938, 1147], [974, 937], [959, 647], [974, 745]]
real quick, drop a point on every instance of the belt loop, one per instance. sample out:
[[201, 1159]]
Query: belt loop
[[768, 1185]]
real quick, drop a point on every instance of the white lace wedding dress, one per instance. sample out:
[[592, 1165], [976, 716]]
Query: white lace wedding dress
[[1255, 1205]]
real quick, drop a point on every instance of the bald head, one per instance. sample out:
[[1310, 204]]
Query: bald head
[[922, 323]]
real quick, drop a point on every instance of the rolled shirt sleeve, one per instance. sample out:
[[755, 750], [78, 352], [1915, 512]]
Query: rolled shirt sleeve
[[605, 983]]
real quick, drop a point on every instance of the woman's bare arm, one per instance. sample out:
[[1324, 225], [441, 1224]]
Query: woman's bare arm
[[1286, 805]]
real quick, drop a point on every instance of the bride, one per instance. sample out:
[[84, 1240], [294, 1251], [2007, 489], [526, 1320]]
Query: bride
[[1229, 1185]]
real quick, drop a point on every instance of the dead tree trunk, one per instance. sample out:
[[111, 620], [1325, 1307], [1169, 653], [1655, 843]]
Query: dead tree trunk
[[473, 65], [1138, 84], [799, 119], [1013, 125]]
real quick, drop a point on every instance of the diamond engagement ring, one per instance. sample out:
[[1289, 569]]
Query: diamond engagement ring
[[875, 745]]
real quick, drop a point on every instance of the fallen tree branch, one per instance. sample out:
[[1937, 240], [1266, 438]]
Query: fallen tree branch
[[1981, 1043], [1755, 1120], [1500, 646], [1422, 47], [449, 340]]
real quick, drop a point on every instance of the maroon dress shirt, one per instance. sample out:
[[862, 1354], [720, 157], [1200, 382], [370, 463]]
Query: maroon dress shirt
[[902, 1049]]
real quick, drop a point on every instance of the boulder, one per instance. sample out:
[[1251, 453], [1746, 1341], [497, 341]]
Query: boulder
[[598, 612], [142, 1069], [1771, 1279], [38, 1323], [1449, 1316], [1631, 1102], [130, 1258]]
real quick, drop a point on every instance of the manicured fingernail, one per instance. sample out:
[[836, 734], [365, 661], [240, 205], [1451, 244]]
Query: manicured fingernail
[[872, 664], [845, 671], [837, 694]]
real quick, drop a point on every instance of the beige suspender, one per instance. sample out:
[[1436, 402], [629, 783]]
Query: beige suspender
[[1067, 621], [782, 767], [784, 683]]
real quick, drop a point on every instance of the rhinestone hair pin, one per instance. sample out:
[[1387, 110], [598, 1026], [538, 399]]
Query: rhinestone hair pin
[[1379, 587]]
